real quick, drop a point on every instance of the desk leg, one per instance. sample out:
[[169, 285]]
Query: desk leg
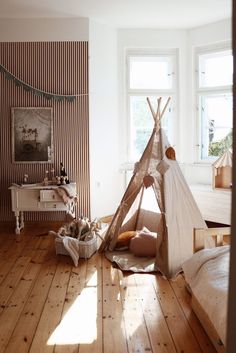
[[17, 230], [22, 220]]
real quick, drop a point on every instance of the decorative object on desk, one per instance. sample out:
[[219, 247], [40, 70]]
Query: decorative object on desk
[[62, 169], [63, 180], [58, 180], [54, 180], [64, 177], [26, 178], [32, 136], [222, 171], [52, 174], [45, 180]]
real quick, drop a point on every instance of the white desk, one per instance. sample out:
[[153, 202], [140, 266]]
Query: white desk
[[37, 197], [214, 204]]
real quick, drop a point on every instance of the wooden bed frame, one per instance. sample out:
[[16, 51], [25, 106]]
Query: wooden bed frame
[[220, 236]]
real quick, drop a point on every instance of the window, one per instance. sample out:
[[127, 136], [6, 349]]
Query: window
[[149, 75], [215, 75]]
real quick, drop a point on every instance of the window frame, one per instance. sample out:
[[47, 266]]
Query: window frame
[[172, 92], [206, 91]]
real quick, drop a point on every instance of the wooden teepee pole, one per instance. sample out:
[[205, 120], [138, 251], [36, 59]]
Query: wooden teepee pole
[[158, 108], [158, 115], [139, 207], [164, 109], [151, 108], [157, 118]]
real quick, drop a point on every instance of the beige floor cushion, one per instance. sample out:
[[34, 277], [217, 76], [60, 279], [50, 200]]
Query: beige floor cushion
[[145, 243]]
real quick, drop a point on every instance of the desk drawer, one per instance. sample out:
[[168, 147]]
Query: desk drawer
[[59, 206], [49, 196]]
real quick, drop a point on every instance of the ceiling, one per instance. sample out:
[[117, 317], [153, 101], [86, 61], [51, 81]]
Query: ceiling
[[178, 14]]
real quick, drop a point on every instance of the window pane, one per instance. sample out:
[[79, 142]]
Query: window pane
[[217, 120], [150, 72], [142, 123], [216, 69]]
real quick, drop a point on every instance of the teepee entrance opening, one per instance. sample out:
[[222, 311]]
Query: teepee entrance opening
[[144, 212], [157, 214]]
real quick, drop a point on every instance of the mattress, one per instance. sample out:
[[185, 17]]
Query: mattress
[[207, 275]]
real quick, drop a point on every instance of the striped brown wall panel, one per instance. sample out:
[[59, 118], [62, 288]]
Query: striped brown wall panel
[[56, 67]]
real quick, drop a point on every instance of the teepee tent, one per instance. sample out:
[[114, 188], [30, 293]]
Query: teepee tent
[[159, 199]]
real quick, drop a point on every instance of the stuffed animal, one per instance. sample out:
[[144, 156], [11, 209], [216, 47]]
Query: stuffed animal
[[81, 229]]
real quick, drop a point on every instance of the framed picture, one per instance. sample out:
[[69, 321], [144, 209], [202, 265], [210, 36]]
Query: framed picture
[[32, 135]]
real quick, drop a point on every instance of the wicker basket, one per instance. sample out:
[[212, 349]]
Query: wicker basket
[[86, 248]]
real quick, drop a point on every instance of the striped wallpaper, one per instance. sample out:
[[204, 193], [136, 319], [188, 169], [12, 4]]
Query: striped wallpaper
[[56, 67]]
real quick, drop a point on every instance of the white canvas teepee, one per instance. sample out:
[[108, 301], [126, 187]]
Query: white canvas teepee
[[158, 198]]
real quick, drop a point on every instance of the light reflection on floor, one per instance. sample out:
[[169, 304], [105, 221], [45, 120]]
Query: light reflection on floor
[[79, 325]]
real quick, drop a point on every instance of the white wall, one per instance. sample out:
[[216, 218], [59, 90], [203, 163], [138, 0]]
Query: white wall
[[41, 29], [212, 33], [105, 177]]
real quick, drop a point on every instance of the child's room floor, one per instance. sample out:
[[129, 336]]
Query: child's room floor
[[49, 306]]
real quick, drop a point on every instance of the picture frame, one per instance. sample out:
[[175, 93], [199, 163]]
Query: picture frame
[[32, 135]]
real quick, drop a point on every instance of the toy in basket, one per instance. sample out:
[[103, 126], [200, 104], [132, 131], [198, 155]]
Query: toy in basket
[[77, 239]]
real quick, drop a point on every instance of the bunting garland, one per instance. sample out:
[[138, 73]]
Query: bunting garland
[[38, 92]]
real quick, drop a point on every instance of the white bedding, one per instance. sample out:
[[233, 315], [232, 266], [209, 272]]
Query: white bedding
[[206, 273]]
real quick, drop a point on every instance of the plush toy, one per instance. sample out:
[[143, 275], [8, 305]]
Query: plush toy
[[79, 229], [83, 227]]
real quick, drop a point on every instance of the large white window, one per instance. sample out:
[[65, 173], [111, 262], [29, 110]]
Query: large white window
[[214, 92], [149, 75]]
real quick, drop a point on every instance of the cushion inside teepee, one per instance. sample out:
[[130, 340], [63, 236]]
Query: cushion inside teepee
[[144, 243]]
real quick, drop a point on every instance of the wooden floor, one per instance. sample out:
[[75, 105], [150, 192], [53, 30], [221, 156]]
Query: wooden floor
[[47, 305]]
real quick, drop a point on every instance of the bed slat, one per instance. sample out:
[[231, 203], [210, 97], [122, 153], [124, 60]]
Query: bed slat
[[216, 234]]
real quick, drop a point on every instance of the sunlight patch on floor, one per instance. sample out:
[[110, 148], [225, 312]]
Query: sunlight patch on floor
[[79, 325], [131, 302]]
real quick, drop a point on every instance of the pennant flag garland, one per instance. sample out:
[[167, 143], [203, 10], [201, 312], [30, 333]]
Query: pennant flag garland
[[8, 76], [37, 92]]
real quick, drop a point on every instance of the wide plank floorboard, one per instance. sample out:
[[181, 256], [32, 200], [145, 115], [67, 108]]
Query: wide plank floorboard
[[49, 306]]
